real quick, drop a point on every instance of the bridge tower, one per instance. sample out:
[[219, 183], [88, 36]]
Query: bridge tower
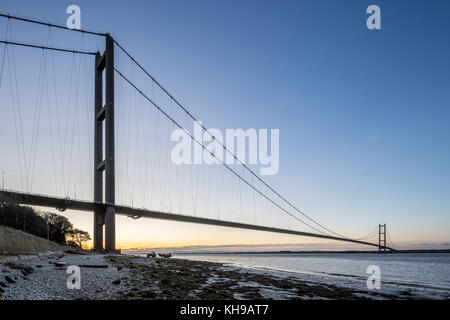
[[104, 173], [382, 238]]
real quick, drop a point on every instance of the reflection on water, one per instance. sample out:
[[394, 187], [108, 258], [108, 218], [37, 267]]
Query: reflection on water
[[414, 268]]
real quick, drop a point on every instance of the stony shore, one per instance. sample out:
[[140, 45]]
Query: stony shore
[[131, 277]]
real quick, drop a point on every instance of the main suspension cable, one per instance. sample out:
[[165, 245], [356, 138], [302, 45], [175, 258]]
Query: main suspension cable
[[213, 155], [3, 15], [223, 146], [369, 235], [178, 104], [23, 44]]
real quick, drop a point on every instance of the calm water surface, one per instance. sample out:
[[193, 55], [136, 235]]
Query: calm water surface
[[422, 269]]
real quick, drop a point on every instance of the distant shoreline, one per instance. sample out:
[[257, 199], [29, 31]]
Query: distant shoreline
[[294, 252]]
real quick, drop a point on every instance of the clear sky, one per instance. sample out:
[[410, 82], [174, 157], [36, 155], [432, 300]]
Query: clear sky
[[363, 114]]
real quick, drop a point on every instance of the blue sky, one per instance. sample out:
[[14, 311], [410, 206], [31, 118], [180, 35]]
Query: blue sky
[[363, 114]]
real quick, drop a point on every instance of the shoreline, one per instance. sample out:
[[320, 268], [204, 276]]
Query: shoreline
[[127, 277], [292, 252]]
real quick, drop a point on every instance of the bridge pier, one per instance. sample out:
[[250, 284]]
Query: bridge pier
[[98, 155], [104, 164], [110, 190], [99, 221], [382, 238]]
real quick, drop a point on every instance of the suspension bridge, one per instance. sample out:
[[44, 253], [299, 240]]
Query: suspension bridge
[[247, 200]]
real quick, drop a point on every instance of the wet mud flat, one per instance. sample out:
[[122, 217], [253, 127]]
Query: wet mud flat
[[150, 278]]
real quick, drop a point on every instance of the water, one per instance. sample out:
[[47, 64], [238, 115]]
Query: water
[[428, 273]]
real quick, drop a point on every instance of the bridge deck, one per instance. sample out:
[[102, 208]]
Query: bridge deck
[[65, 203]]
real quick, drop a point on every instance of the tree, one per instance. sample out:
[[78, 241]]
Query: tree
[[79, 237], [35, 222], [59, 226], [23, 218]]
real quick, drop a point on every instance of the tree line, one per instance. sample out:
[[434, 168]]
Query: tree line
[[51, 226]]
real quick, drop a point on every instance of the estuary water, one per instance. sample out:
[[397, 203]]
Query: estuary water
[[426, 273]]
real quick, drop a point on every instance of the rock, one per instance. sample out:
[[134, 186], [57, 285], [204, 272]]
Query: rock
[[116, 282], [166, 292], [60, 264], [9, 279], [25, 269], [147, 294], [93, 266]]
